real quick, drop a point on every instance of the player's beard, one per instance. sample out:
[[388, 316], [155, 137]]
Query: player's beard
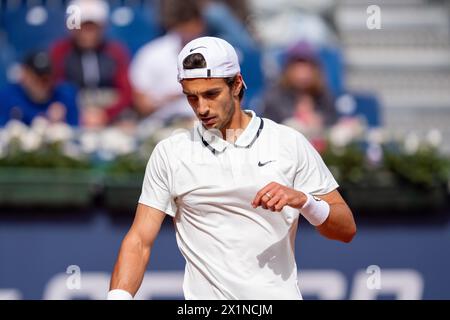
[[228, 112]]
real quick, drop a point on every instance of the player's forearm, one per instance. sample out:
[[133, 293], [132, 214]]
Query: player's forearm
[[340, 224], [130, 266]]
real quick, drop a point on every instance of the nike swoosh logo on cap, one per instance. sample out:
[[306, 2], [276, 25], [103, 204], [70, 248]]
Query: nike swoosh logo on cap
[[196, 48]]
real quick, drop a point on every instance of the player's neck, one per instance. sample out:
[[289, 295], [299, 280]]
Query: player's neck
[[237, 125]]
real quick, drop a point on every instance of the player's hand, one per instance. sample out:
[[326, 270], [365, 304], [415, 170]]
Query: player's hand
[[275, 196]]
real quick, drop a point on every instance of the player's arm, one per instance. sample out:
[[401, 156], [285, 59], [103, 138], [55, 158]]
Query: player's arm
[[339, 225], [135, 251], [329, 213]]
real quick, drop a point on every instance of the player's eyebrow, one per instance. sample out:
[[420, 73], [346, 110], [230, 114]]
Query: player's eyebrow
[[206, 92]]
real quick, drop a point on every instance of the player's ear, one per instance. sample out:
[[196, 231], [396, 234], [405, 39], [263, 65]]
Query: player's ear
[[238, 83]]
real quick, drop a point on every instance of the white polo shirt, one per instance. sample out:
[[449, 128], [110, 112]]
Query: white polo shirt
[[207, 184]]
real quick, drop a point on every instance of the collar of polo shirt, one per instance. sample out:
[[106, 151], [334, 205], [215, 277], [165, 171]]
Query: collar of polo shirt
[[212, 138]]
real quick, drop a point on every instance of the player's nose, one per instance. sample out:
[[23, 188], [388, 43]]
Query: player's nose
[[202, 108]]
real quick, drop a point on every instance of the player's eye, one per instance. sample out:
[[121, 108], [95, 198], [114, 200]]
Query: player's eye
[[192, 97], [212, 95]]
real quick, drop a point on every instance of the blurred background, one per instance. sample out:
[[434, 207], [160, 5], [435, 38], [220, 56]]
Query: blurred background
[[88, 87]]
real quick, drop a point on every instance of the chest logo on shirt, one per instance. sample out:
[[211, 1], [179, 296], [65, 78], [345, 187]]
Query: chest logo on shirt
[[262, 164]]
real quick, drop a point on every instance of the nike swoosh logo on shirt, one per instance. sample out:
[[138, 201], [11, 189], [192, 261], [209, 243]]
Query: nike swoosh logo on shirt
[[261, 164]]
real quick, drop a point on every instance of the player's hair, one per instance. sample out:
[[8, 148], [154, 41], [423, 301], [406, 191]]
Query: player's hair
[[197, 61]]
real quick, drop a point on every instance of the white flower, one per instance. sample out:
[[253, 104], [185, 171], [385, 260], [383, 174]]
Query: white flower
[[115, 141], [345, 132], [90, 141], [39, 125], [434, 137], [59, 132], [31, 141], [14, 129], [72, 150], [411, 143]]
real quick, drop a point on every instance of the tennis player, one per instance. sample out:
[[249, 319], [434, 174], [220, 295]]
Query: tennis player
[[235, 186]]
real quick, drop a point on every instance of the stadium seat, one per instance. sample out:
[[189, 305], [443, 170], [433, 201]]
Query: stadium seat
[[7, 60], [134, 25], [332, 64], [31, 28], [358, 104]]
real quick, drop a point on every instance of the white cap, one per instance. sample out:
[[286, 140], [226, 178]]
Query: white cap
[[92, 10], [221, 59]]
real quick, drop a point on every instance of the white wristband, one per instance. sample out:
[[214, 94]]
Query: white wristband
[[119, 294], [315, 210]]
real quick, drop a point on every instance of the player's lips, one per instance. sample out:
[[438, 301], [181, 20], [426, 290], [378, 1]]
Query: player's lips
[[208, 121]]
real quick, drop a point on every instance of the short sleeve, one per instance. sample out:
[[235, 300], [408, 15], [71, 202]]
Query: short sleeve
[[312, 175], [156, 187]]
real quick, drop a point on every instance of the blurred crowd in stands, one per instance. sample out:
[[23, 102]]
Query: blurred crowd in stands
[[118, 69]]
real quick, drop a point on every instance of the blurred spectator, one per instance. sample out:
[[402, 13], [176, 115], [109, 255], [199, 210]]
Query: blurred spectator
[[301, 97], [282, 22], [153, 72], [240, 9], [37, 95], [279, 24], [221, 21], [98, 66]]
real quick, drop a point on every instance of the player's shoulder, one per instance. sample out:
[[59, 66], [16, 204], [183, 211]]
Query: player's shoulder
[[286, 134]]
